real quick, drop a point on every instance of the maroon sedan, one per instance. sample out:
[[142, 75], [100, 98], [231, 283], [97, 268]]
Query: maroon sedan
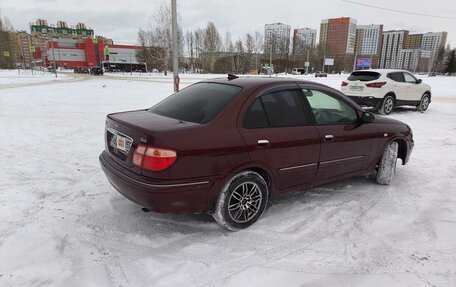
[[225, 146]]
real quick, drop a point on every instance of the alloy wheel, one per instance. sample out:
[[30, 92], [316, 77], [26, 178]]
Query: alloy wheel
[[245, 202], [388, 105]]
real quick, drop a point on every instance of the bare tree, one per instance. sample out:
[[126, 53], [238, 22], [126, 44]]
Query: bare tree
[[212, 44], [198, 40], [159, 34], [239, 57], [189, 38], [149, 54], [5, 24], [229, 50], [257, 48], [249, 45]]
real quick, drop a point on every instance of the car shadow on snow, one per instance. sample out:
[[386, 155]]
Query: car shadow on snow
[[129, 215], [163, 222], [396, 110]]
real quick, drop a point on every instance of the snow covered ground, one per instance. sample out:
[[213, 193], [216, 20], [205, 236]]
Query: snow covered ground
[[10, 78], [62, 224]]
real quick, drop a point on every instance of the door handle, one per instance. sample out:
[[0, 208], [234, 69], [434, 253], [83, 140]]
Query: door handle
[[263, 142], [329, 137]]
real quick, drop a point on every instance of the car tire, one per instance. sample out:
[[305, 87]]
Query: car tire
[[424, 103], [387, 105], [387, 165], [242, 201]]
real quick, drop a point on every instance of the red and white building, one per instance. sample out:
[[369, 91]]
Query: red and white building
[[88, 52]]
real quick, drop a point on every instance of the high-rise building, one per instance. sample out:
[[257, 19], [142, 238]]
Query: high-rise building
[[40, 29], [392, 44], [414, 60], [433, 41], [277, 38], [305, 36], [324, 32], [21, 43], [368, 44], [368, 39], [413, 41], [338, 36]]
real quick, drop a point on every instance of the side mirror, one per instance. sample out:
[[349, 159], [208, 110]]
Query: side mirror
[[367, 117], [308, 93], [419, 81]]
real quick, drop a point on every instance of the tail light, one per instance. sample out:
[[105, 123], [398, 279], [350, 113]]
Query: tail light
[[344, 84], [153, 158], [376, 85]]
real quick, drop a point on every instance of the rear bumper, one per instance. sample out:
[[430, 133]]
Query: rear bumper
[[367, 101], [190, 195]]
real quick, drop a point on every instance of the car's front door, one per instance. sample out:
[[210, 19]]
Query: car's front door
[[399, 85], [413, 88], [280, 136], [347, 146]]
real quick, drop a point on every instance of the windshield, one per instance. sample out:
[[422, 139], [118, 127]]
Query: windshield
[[199, 103]]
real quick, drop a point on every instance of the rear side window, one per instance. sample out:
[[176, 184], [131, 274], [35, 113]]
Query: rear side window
[[364, 76], [277, 109], [199, 103], [397, 77], [255, 117]]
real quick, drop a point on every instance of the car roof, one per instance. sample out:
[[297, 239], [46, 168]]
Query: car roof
[[381, 71], [252, 82]]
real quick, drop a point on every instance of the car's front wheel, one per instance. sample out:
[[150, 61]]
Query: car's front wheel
[[424, 103], [242, 201], [387, 165], [387, 105]]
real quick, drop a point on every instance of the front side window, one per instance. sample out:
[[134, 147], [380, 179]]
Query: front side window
[[199, 103], [329, 110], [276, 109], [409, 78]]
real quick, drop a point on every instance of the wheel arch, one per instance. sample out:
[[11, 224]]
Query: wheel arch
[[427, 92], [402, 149], [390, 93]]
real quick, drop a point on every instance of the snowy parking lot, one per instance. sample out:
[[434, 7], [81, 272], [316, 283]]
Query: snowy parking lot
[[63, 224]]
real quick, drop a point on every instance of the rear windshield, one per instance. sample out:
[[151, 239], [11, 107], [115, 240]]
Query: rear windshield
[[199, 103], [363, 76]]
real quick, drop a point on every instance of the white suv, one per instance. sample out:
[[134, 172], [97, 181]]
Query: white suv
[[385, 89]]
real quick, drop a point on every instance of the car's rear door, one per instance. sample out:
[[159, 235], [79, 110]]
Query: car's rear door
[[280, 136], [347, 146]]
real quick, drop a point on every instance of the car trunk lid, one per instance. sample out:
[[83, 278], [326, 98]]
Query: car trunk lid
[[126, 130]]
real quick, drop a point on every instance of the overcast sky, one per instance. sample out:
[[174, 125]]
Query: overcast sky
[[121, 19]]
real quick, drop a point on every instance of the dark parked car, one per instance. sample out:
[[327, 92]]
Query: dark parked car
[[224, 146], [81, 70], [96, 71]]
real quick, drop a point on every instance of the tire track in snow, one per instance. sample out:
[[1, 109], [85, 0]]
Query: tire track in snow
[[73, 79]]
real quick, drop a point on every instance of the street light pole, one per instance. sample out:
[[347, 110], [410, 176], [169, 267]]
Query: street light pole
[[270, 60], [175, 48], [53, 56]]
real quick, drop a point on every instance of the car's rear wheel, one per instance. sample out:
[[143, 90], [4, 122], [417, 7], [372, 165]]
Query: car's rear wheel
[[387, 165], [242, 201], [424, 103], [387, 105]]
